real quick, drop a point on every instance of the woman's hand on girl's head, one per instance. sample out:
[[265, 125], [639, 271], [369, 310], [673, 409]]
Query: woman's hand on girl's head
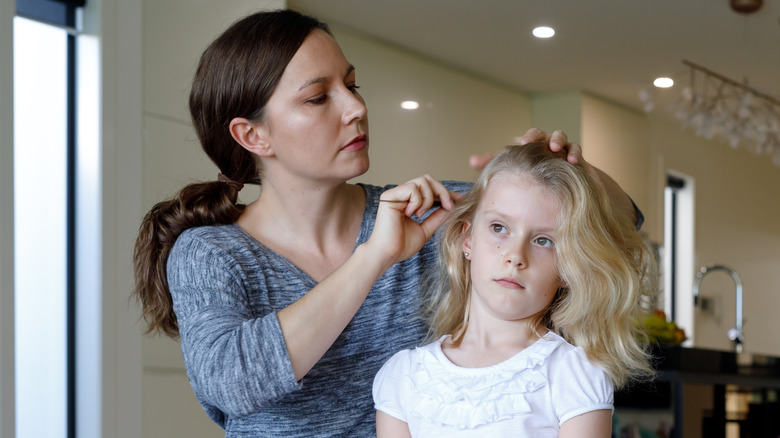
[[395, 232], [558, 140]]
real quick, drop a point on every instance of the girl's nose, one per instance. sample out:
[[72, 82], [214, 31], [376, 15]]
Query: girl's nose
[[515, 255]]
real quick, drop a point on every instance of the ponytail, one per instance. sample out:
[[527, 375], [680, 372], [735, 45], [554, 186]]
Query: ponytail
[[209, 203]]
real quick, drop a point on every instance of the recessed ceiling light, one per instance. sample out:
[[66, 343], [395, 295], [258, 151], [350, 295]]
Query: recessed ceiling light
[[544, 32], [663, 82], [410, 105]]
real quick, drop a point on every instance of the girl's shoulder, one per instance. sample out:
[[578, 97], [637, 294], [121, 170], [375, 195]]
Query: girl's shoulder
[[565, 358]]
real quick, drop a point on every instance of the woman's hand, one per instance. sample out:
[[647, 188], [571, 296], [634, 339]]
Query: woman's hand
[[558, 140], [395, 233]]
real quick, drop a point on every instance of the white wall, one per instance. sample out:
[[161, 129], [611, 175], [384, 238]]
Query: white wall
[[116, 355]]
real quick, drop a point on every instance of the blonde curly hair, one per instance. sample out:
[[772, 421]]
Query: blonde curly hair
[[601, 257]]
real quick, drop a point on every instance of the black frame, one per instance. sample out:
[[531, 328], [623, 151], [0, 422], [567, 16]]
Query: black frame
[[675, 184], [56, 12]]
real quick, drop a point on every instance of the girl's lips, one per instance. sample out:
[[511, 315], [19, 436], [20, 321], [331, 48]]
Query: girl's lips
[[357, 143], [509, 283]]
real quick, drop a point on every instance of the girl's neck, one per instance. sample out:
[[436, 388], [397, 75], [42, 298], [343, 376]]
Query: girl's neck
[[485, 345]]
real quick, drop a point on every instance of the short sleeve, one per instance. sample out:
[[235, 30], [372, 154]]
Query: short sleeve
[[578, 386], [391, 386]]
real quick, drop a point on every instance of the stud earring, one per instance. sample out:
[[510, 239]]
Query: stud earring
[[466, 254]]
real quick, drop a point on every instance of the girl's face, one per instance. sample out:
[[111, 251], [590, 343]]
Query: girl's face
[[316, 122], [512, 249]]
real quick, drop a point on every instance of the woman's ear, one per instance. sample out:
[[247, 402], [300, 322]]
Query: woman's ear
[[251, 136]]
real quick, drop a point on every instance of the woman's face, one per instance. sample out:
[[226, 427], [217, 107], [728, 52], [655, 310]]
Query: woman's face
[[512, 249], [316, 122]]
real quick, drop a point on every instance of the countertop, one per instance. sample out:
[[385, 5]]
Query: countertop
[[699, 365]]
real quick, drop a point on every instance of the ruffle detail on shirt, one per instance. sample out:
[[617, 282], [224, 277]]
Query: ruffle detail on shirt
[[466, 401]]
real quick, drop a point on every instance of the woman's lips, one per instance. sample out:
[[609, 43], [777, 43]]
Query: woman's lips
[[357, 143]]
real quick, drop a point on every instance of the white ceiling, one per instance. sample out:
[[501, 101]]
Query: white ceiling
[[609, 48]]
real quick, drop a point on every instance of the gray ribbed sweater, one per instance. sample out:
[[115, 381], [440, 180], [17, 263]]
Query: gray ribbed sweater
[[227, 288]]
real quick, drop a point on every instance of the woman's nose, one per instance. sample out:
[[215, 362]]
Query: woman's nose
[[355, 107]]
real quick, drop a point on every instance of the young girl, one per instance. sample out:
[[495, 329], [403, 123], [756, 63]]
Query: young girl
[[532, 311]]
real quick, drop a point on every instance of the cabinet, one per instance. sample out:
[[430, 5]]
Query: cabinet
[[708, 393]]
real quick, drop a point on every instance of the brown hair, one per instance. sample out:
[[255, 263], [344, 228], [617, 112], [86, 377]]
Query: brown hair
[[235, 77]]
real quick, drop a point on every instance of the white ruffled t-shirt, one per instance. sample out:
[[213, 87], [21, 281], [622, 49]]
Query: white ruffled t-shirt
[[531, 394]]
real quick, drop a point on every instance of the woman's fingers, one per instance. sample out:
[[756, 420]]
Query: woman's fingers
[[558, 141], [478, 162], [533, 134], [395, 231], [421, 194], [574, 154]]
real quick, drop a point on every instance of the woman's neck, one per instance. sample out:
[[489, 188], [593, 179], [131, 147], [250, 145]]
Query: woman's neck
[[315, 228]]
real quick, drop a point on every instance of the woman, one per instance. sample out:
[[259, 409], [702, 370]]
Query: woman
[[285, 307]]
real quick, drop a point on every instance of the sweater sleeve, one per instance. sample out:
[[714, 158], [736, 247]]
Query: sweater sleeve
[[236, 360]]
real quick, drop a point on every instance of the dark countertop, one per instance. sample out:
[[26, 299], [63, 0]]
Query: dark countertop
[[699, 365]]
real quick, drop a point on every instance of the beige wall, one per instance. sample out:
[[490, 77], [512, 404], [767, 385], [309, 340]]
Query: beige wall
[[737, 224], [736, 221], [175, 33], [460, 115]]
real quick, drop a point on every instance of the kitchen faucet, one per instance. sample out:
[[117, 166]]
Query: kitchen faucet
[[734, 334]]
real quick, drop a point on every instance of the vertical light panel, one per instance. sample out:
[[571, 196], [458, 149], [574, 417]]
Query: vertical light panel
[[40, 209]]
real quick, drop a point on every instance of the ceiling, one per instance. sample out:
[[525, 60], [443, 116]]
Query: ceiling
[[608, 48]]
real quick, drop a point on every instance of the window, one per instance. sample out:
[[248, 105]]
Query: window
[[677, 265], [44, 217]]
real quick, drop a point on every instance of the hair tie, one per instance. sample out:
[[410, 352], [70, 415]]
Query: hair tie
[[235, 184]]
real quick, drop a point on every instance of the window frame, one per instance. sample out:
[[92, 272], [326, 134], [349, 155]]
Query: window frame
[[64, 14]]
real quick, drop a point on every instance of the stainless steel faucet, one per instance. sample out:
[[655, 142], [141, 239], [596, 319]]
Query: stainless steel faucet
[[736, 335]]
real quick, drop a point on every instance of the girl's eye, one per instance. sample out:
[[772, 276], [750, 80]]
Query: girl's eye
[[545, 242], [498, 228], [353, 88]]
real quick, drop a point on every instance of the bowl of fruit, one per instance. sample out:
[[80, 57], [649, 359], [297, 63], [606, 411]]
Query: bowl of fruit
[[660, 331]]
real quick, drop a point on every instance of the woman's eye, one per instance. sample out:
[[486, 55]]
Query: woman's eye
[[319, 100], [543, 241], [353, 88], [498, 228]]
